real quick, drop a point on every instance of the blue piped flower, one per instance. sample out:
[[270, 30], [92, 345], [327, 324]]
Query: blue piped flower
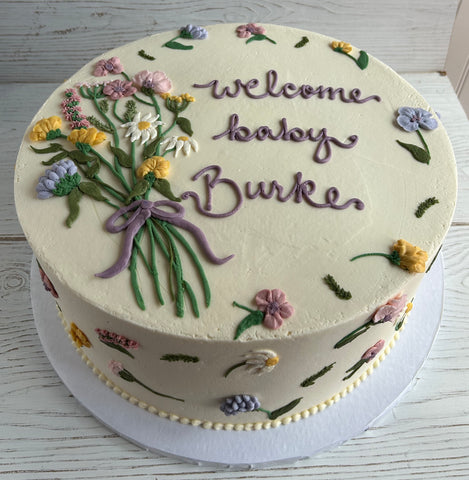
[[194, 31], [59, 180], [411, 119], [239, 404]]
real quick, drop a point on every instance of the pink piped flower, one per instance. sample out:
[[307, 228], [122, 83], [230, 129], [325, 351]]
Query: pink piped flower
[[245, 31], [157, 81], [275, 307], [373, 351], [115, 367], [390, 311], [103, 67], [118, 89]]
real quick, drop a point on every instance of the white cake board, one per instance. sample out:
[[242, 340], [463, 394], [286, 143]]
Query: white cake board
[[348, 418]]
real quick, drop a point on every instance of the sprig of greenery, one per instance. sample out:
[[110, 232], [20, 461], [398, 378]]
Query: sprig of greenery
[[425, 205], [335, 287]]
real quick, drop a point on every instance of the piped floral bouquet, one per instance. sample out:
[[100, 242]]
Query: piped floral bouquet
[[125, 175]]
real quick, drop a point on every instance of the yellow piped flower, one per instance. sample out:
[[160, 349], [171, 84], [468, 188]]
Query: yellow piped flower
[[156, 165], [78, 337], [165, 95], [43, 127], [341, 47], [91, 136], [410, 306], [187, 97], [412, 258]]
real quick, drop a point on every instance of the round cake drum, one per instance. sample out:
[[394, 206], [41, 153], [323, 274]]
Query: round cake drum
[[336, 424]]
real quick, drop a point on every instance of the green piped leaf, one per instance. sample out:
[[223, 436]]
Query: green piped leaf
[[120, 348], [80, 157], [179, 357], [178, 46], [363, 60], [143, 54], [124, 159], [311, 380], [286, 408], [53, 147], [55, 158], [258, 37], [302, 42], [139, 189], [185, 125], [94, 169], [256, 317], [150, 149], [92, 190], [73, 200], [418, 153], [425, 205], [163, 186], [335, 287]]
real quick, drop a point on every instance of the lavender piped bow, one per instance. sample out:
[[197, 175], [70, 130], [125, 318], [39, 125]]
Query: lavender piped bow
[[142, 210]]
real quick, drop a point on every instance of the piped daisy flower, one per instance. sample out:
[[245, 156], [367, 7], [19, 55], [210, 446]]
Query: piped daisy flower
[[144, 128], [257, 362], [186, 144]]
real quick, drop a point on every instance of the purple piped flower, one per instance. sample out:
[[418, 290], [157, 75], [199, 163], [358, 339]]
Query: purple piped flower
[[118, 89], [59, 180], [47, 283], [373, 351], [411, 119], [239, 404], [193, 31], [103, 67]]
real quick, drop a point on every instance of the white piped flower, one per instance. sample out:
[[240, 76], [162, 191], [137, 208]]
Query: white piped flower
[[144, 128], [261, 361], [180, 143]]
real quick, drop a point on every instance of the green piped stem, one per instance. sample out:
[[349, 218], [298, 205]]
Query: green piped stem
[[236, 304], [354, 334], [423, 141], [392, 258], [176, 266], [192, 298], [155, 392], [154, 269], [264, 410], [133, 271], [234, 367], [195, 259], [132, 153], [354, 369], [158, 128], [119, 176], [114, 111]]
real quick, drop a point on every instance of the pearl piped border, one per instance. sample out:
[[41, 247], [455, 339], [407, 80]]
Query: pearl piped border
[[208, 425]]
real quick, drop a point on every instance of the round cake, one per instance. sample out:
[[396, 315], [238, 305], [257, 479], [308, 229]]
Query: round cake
[[234, 219]]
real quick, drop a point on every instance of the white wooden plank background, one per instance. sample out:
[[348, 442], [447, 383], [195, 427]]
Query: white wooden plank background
[[45, 433]]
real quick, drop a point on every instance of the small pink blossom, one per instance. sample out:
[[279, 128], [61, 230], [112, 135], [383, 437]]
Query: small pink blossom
[[103, 67], [245, 31], [47, 283], [373, 351], [156, 81], [115, 367], [118, 89], [390, 311], [275, 307]]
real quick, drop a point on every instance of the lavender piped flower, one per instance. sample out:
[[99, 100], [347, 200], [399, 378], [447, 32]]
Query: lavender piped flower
[[195, 32], [190, 32], [411, 120], [239, 404], [59, 180]]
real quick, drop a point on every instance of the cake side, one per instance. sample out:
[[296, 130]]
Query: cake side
[[319, 128]]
